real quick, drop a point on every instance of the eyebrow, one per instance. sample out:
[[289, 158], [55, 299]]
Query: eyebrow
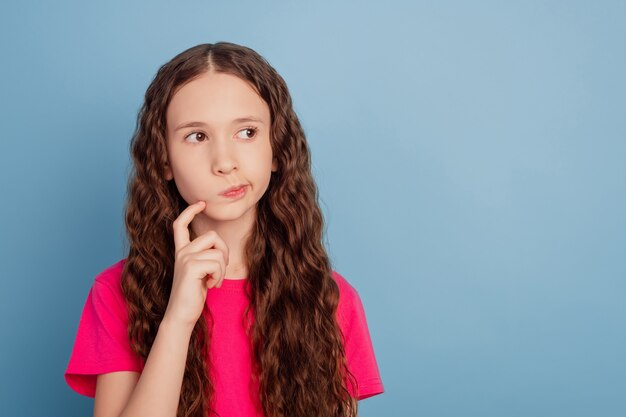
[[235, 121]]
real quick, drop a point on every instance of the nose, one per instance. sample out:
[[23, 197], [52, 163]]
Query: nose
[[223, 156]]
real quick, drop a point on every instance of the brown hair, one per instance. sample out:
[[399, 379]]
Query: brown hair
[[298, 355]]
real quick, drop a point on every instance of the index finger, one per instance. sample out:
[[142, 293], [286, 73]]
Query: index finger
[[181, 224]]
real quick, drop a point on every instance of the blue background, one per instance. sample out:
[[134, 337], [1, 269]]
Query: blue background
[[470, 158]]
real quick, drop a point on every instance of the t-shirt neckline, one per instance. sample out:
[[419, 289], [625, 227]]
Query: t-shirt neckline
[[233, 284]]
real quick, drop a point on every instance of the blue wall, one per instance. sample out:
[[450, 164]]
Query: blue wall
[[470, 158]]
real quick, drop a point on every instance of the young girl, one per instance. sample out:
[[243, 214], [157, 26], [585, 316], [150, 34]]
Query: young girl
[[227, 303]]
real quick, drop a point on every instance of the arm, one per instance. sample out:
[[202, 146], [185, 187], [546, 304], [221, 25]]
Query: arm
[[157, 391]]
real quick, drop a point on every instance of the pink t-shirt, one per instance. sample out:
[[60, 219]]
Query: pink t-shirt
[[102, 344]]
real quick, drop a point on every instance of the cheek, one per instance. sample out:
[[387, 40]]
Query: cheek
[[185, 192], [189, 162], [257, 159], [190, 180], [263, 166], [184, 173]]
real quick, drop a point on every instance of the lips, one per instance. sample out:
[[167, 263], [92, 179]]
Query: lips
[[233, 190]]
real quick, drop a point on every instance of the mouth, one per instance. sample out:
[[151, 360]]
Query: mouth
[[235, 191]]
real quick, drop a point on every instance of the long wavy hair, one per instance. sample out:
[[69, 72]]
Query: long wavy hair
[[297, 346]]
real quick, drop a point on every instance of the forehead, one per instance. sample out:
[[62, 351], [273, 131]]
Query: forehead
[[215, 99]]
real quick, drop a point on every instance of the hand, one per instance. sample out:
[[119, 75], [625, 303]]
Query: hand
[[198, 266]]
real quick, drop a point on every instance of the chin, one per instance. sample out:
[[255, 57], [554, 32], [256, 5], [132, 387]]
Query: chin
[[228, 212]]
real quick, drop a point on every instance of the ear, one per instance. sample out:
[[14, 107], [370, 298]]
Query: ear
[[168, 172]]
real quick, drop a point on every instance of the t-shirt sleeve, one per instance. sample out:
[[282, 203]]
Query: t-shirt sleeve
[[360, 357], [101, 343]]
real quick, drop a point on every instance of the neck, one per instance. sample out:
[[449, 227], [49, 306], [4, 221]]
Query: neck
[[234, 233]]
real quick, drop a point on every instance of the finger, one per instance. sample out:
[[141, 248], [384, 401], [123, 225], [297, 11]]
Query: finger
[[209, 240], [181, 224], [213, 255], [212, 271], [207, 271]]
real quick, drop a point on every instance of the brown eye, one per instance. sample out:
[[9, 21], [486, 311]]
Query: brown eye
[[250, 131], [197, 137]]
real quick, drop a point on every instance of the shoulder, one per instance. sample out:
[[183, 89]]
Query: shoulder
[[349, 300], [106, 290], [345, 288], [111, 275]]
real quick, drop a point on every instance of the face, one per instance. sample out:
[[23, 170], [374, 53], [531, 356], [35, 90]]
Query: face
[[212, 148]]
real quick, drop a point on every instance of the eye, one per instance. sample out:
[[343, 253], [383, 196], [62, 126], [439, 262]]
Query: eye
[[197, 136], [251, 130]]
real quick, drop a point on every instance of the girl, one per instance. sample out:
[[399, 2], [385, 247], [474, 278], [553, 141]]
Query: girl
[[227, 303]]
